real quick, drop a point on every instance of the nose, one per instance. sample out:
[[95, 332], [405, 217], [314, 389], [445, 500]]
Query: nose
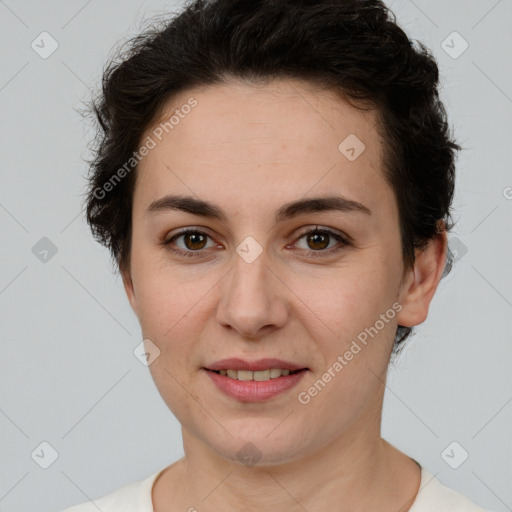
[[254, 299]]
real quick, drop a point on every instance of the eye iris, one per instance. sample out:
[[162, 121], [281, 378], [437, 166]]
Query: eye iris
[[196, 238], [317, 238]]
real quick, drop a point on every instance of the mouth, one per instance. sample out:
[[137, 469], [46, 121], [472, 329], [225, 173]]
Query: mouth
[[258, 376], [255, 386], [258, 367]]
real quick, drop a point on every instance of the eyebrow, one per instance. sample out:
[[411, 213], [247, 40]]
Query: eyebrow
[[288, 211]]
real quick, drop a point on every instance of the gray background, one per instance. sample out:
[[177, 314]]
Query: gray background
[[68, 374]]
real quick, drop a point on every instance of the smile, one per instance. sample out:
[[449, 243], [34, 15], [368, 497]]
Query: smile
[[255, 386], [261, 375]]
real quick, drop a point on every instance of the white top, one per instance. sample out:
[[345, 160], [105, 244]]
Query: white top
[[432, 496]]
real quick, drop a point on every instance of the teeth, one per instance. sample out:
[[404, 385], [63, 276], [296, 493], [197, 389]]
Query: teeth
[[261, 375]]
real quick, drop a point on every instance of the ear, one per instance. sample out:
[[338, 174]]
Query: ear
[[421, 283], [128, 287]]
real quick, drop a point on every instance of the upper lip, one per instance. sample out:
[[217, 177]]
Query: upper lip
[[235, 363]]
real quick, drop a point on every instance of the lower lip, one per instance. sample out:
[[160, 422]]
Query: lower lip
[[255, 391]]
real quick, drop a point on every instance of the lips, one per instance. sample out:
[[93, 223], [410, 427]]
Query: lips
[[235, 363], [255, 390]]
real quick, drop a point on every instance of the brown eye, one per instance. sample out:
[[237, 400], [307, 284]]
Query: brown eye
[[318, 240], [194, 240], [189, 242]]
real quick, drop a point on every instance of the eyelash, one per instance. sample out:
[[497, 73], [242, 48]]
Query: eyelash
[[315, 254]]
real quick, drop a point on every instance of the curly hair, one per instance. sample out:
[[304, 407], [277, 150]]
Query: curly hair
[[353, 47]]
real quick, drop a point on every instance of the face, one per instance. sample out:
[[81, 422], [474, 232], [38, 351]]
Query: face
[[257, 281]]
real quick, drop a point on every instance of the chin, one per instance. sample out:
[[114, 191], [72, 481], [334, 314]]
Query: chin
[[258, 449]]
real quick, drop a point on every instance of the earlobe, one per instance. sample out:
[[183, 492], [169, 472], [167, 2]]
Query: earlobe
[[419, 290]]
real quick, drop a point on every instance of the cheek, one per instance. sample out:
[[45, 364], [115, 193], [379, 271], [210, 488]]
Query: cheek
[[160, 300], [346, 300], [353, 339], [171, 306]]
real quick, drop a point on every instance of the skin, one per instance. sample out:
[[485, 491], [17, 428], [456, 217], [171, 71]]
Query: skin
[[250, 149]]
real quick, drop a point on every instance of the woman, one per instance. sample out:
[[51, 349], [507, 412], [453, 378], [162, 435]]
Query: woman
[[274, 181]]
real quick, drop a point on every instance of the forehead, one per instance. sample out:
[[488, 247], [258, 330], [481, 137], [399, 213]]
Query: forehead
[[284, 137]]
